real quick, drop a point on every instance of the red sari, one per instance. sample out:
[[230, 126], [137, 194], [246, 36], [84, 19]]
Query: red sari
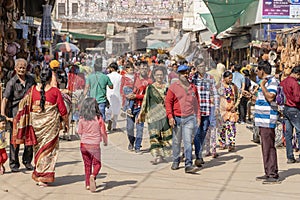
[[46, 125]]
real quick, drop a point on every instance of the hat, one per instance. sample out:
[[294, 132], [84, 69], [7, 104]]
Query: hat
[[54, 64], [182, 68]]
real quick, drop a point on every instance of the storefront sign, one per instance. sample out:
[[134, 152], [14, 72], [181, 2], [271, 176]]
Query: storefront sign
[[281, 9]]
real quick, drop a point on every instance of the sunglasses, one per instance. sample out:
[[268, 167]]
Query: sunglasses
[[288, 67]]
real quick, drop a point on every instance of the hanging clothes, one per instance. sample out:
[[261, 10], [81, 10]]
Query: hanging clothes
[[46, 26]]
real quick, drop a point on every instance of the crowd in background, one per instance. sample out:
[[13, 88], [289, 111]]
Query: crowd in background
[[197, 104]]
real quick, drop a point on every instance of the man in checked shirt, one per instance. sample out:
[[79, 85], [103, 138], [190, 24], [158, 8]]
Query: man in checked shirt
[[208, 97]]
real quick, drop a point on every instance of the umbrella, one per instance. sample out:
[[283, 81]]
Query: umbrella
[[159, 45], [66, 47]]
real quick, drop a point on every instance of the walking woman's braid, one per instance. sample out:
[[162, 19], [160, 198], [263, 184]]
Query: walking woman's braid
[[46, 75]]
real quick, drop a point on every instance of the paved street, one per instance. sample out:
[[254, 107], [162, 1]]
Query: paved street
[[127, 175]]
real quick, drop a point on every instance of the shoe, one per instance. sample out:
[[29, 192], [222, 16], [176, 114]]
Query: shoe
[[175, 166], [28, 166], [87, 187], [207, 154], [130, 147], [138, 151], [191, 169], [199, 162], [261, 178], [14, 170], [215, 155], [242, 123], [109, 123], [92, 183], [158, 160], [222, 147], [272, 180], [231, 148], [291, 161]]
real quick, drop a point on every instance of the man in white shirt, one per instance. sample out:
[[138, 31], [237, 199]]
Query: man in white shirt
[[114, 96]]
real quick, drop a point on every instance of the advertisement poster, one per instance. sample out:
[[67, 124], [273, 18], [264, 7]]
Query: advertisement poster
[[281, 9]]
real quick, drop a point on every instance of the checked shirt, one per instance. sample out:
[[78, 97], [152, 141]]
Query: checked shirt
[[207, 91]]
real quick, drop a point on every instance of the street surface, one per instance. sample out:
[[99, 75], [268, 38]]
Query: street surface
[[130, 176]]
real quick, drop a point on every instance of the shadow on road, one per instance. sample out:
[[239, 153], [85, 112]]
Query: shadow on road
[[287, 173], [59, 164], [221, 160], [112, 184], [69, 179], [66, 180]]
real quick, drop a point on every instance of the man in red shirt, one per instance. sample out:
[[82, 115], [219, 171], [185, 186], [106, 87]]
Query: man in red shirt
[[291, 89], [142, 80], [182, 108]]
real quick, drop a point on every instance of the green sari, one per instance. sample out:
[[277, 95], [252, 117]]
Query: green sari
[[158, 126]]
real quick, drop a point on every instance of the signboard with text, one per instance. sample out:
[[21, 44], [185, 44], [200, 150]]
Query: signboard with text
[[281, 9]]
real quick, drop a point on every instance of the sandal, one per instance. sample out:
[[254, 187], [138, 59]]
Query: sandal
[[92, 183], [42, 184]]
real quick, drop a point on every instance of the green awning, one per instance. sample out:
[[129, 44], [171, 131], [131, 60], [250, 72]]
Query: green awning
[[223, 13], [86, 36]]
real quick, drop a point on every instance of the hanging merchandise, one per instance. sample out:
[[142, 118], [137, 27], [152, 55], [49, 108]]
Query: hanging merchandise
[[46, 26]]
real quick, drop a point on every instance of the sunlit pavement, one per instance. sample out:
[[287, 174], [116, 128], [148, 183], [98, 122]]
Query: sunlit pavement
[[127, 175]]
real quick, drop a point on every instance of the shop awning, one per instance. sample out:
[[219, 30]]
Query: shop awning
[[223, 14], [87, 36], [84, 34]]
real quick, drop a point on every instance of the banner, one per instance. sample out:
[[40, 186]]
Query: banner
[[281, 9]]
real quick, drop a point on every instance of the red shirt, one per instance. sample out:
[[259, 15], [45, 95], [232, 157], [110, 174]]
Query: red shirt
[[291, 90], [139, 90], [53, 96], [180, 102]]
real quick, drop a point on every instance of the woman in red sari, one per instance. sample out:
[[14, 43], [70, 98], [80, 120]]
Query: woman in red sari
[[47, 109]]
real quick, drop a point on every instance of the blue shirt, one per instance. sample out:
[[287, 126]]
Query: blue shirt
[[266, 113], [238, 79]]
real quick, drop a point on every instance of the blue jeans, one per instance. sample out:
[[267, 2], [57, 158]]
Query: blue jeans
[[137, 141], [200, 136], [128, 103], [102, 109], [212, 117], [183, 130], [291, 120]]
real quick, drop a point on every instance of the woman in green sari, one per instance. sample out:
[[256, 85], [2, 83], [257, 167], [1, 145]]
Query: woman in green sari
[[154, 112]]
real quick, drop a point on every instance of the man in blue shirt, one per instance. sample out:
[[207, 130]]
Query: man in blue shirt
[[266, 115]]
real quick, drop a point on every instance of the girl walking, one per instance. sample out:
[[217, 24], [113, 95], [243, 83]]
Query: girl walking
[[91, 129]]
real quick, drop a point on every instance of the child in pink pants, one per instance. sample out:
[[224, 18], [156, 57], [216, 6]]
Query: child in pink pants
[[91, 129]]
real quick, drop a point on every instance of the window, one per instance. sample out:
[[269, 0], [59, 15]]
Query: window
[[61, 9], [74, 8]]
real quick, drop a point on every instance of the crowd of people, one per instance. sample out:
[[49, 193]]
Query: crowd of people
[[197, 104]]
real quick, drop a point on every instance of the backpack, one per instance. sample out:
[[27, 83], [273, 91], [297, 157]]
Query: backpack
[[280, 97]]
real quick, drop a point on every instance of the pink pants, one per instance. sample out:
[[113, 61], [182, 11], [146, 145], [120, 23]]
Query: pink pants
[[91, 155], [3, 156]]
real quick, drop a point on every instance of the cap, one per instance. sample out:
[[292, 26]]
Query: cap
[[182, 68], [54, 64]]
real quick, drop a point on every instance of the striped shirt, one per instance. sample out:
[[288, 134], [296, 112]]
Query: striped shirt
[[208, 94], [266, 113]]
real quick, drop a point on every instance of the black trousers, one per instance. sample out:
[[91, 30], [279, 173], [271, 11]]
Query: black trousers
[[243, 109], [14, 154]]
